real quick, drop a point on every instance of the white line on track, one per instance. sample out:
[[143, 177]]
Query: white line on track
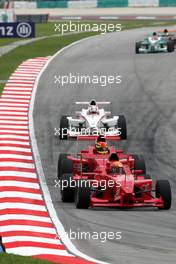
[[6, 110], [15, 156], [25, 217], [32, 251], [19, 85], [13, 142], [11, 122], [12, 87], [37, 64], [18, 92], [22, 78], [7, 103], [14, 127], [25, 206], [20, 195], [32, 239], [29, 69], [15, 96], [5, 131], [16, 149], [48, 230], [17, 164], [26, 75], [6, 98], [9, 117], [20, 184], [18, 174], [13, 137]]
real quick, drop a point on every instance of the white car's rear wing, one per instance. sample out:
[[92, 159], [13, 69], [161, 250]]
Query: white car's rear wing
[[87, 103], [87, 138]]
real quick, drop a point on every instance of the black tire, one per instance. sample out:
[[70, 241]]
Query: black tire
[[122, 126], [135, 156], [82, 195], [64, 126], [138, 45], [147, 177], [173, 46], [67, 192], [163, 190], [66, 166], [139, 164], [61, 157], [170, 46]]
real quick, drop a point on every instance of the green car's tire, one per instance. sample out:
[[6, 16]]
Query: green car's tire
[[170, 46], [138, 45]]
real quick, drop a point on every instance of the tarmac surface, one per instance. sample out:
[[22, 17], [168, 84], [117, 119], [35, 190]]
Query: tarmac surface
[[147, 97]]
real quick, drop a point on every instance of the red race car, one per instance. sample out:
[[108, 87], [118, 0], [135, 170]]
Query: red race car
[[103, 176]]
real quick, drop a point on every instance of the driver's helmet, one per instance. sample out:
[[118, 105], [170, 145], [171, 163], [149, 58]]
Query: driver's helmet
[[114, 165], [93, 102], [101, 145], [101, 138], [166, 31], [155, 36], [93, 108]]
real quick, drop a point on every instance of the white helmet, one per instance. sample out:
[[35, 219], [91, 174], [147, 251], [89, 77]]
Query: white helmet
[[93, 106]]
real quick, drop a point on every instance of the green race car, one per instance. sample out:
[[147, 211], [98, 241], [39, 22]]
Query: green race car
[[154, 43]]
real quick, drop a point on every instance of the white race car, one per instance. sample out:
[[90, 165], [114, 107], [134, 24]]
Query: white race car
[[92, 121]]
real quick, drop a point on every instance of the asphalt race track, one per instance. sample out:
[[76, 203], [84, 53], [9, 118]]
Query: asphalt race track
[[147, 97]]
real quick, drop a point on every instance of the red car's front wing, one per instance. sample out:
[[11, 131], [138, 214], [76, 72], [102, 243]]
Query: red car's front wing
[[153, 202], [93, 138]]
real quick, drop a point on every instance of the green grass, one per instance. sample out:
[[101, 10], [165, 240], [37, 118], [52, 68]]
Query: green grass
[[15, 259], [6, 41], [1, 87], [10, 61]]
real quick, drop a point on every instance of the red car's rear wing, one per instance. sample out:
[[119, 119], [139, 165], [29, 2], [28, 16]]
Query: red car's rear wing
[[98, 103], [84, 138]]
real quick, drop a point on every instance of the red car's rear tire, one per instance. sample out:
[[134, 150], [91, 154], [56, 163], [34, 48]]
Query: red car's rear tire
[[64, 165], [61, 157], [67, 192]]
